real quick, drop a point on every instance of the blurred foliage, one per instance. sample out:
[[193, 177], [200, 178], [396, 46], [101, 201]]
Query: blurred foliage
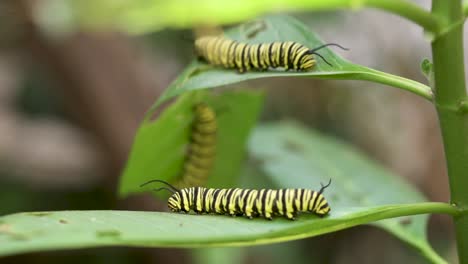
[[34, 99], [143, 16]]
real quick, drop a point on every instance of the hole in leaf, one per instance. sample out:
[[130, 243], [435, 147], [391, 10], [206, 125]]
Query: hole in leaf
[[294, 147], [405, 221], [108, 233]]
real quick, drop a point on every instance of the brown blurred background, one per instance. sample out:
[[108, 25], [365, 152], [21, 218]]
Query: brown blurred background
[[70, 106]]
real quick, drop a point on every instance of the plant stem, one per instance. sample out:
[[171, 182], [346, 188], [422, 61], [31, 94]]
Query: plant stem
[[409, 11], [449, 76], [402, 8], [397, 81]]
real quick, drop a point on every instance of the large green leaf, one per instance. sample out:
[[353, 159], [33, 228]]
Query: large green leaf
[[39, 231], [199, 75], [160, 146], [293, 156]]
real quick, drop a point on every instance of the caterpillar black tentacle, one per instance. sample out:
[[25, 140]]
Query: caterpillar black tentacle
[[202, 149], [220, 51], [250, 203], [323, 187], [169, 187]]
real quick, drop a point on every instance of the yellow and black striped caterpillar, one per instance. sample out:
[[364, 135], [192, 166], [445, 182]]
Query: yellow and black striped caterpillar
[[228, 53], [202, 148], [250, 203]]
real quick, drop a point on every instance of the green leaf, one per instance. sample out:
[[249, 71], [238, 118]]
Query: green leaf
[[293, 156], [160, 146], [199, 75], [40, 231]]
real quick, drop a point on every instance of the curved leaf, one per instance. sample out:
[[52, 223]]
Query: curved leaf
[[31, 232], [293, 157], [199, 75], [284, 149]]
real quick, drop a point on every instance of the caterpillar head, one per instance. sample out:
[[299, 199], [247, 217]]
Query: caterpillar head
[[321, 208], [307, 62], [320, 205], [175, 202]]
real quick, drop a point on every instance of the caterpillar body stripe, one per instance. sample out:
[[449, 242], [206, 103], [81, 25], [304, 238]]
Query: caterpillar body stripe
[[220, 51], [202, 148], [248, 202]]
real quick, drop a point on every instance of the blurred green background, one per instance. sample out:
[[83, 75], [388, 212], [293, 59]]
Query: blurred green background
[[71, 101]]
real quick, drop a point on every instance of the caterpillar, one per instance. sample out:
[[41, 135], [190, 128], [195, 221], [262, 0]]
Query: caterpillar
[[220, 51], [202, 148], [247, 202]]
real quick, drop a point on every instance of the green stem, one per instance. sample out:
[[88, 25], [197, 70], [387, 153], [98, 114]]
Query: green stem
[[368, 74], [400, 82], [409, 11], [401, 8], [431, 255], [449, 77]]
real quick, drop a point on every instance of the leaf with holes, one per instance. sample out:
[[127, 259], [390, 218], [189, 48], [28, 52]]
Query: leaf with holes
[[160, 145]]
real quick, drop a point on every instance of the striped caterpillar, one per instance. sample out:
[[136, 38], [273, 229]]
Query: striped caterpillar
[[202, 149], [220, 51], [250, 203]]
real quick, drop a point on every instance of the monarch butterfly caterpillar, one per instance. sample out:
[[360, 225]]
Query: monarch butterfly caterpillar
[[250, 203], [202, 148], [228, 53]]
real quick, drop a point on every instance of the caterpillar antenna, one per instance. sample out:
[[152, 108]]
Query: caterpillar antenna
[[313, 51], [163, 188], [326, 45], [163, 182], [322, 58], [324, 186]]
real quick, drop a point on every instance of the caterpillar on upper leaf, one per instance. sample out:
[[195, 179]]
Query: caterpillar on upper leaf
[[220, 51]]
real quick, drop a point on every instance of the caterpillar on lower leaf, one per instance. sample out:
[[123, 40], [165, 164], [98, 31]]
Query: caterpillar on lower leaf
[[220, 51], [202, 149], [250, 203]]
